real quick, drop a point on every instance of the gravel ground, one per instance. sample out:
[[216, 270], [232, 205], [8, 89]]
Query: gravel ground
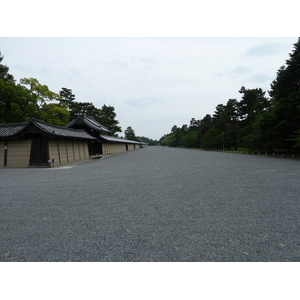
[[153, 204]]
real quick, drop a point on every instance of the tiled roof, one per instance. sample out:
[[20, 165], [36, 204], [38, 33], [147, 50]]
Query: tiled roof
[[117, 140], [13, 130], [61, 131], [8, 130], [90, 122]]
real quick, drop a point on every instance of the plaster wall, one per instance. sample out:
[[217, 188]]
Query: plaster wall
[[65, 151], [18, 153]]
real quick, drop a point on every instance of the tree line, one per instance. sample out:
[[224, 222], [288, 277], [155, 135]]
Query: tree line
[[255, 122], [29, 98]]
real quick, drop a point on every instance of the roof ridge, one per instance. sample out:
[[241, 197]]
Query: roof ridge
[[34, 120], [89, 121]]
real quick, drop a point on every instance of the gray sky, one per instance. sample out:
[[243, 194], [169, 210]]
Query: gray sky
[[153, 83]]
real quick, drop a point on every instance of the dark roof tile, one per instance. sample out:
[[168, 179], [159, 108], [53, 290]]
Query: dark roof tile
[[8, 130], [61, 131], [90, 122], [13, 130]]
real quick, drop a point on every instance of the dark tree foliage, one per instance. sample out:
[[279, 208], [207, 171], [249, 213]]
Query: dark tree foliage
[[4, 71], [205, 124], [54, 113], [147, 140], [16, 103], [285, 95], [79, 108], [212, 139], [252, 105], [108, 118], [66, 96], [129, 134]]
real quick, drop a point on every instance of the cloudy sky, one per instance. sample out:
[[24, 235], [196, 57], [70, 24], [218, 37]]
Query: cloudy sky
[[153, 83]]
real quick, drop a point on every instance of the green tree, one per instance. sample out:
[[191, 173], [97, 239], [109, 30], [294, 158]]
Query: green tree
[[212, 139], [150, 142], [66, 96], [40, 91], [285, 97], [194, 124], [16, 103], [88, 108], [189, 139], [4, 75], [129, 134], [178, 133], [252, 105], [219, 117], [205, 124], [226, 119], [262, 136], [231, 127], [54, 113], [108, 118], [168, 140]]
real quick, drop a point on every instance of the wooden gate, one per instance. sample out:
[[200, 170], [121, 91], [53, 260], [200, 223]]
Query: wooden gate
[[39, 154]]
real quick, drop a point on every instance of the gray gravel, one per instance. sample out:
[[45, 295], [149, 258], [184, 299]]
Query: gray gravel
[[153, 204]]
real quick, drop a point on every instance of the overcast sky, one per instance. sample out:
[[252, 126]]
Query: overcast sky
[[153, 83]]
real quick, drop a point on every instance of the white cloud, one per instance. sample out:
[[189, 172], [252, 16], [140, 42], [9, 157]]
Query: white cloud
[[266, 49], [240, 70], [259, 78], [120, 64], [143, 102]]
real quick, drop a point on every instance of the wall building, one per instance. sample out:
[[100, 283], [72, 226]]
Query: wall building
[[39, 144], [105, 143]]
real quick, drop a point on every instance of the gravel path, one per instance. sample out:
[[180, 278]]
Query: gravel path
[[153, 204]]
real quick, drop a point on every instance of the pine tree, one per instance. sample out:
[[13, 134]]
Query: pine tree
[[4, 71], [285, 94], [129, 133]]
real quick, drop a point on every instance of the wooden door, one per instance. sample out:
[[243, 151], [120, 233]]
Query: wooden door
[[39, 154]]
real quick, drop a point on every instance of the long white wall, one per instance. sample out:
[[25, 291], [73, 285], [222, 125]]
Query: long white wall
[[61, 151], [117, 148], [18, 153], [66, 151]]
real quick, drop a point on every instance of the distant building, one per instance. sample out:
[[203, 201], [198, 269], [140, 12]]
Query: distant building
[[105, 143]]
